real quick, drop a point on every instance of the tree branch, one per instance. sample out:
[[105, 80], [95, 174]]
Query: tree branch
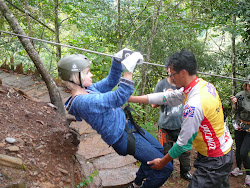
[[25, 12], [170, 13]]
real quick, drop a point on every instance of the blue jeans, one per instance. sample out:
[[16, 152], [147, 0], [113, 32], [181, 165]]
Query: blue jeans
[[147, 148]]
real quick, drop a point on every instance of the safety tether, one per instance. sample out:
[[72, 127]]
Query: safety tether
[[99, 53]]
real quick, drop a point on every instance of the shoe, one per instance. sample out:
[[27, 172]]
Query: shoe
[[237, 172], [247, 180], [186, 176]]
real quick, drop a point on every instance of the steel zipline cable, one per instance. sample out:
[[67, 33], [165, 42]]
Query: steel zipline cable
[[99, 53]]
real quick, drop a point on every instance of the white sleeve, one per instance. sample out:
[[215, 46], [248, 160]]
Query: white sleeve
[[170, 98]]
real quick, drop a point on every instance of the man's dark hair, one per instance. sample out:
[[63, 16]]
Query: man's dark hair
[[183, 60]]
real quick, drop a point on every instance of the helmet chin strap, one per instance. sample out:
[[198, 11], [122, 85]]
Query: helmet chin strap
[[81, 85], [80, 78]]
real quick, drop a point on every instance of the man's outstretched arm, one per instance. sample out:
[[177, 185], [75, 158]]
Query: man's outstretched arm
[[171, 98], [143, 99]]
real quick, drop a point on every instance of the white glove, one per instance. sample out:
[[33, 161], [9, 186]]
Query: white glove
[[122, 54], [130, 61]]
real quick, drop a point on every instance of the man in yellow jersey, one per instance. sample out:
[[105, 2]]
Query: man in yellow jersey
[[203, 124]]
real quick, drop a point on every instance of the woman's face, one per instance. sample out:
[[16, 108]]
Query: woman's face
[[87, 80]]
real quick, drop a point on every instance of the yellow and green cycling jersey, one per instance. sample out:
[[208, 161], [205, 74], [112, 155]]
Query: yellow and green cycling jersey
[[203, 122]]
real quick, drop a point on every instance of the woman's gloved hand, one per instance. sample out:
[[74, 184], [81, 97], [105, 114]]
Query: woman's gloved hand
[[122, 54], [128, 59], [130, 62]]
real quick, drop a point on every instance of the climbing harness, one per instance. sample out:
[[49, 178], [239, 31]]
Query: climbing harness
[[99, 53], [137, 129], [131, 140]]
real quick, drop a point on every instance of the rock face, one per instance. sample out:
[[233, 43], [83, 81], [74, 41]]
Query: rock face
[[95, 155]]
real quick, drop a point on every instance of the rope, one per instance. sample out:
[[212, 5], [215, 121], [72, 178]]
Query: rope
[[99, 53], [55, 43]]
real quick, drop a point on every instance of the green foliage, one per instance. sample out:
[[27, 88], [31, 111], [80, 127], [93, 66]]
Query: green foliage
[[24, 167], [204, 27], [86, 181], [147, 119], [151, 127]]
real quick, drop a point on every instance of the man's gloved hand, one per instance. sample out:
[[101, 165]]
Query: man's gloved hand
[[130, 62], [122, 54]]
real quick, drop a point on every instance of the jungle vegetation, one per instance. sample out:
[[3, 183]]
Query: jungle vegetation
[[217, 32]]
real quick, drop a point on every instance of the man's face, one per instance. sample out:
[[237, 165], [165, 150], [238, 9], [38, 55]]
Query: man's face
[[176, 78]]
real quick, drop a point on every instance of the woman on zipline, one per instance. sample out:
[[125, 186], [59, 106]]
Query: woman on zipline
[[100, 107]]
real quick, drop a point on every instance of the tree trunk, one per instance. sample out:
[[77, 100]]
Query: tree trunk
[[58, 48], [28, 20], [233, 55], [52, 88], [156, 13], [119, 24], [157, 9]]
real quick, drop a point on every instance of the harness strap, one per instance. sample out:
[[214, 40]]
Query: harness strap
[[127, 111], [131, 141], [137, 129]]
